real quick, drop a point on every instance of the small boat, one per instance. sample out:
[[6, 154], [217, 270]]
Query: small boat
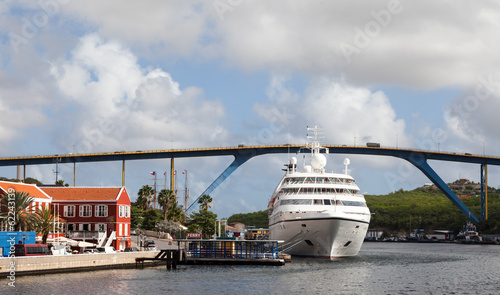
[[469, 234]]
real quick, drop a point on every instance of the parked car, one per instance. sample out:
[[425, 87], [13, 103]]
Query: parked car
[[106, 249], [149, 243], [133, 232], [61, 250], [31, 249], [131, 249], [90, 251]]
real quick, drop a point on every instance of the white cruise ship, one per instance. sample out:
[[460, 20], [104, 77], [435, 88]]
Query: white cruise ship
[[317, 213]]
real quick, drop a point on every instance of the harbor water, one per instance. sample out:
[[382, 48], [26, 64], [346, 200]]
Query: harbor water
[[380, 268]]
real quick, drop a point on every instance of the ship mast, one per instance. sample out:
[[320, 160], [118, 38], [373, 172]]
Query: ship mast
[[314, 139]]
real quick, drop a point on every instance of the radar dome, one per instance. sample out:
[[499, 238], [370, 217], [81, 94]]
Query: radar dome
[[347, 161], [293, 161], [318, 161]]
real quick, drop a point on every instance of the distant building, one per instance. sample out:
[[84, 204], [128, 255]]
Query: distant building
[[94, 209], [236, 230], [257, 233], [375, 234]]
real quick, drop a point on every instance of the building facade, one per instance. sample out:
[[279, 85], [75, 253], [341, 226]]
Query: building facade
[[94, 209]]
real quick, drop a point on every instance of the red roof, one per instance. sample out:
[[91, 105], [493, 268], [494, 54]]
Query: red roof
[[83, 193], [33, 190]]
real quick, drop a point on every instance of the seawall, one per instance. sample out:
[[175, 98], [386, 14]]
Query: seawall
[[79, 262]]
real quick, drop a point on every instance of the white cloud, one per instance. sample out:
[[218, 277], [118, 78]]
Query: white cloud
[[349, 111], [177, 26], [418, 44], [119, 105], [422, 44], [472, 122]]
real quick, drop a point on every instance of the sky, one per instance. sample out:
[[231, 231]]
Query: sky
[[103, 76]]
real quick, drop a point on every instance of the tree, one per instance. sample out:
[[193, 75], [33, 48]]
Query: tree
[[205, 202], [144, 199], [176, 213], [257, 219], [45, 222], [166, 199], [136, 217], [18, 206], [151, 218], [32, 180], [60, 182], [203, 221]]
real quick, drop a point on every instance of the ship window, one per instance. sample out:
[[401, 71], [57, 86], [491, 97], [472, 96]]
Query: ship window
[[295, 202], [339, 203], [318, 202], [327, 202], [353, 203]]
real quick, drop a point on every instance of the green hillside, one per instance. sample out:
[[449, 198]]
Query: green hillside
[[431, 208], [257, 219]]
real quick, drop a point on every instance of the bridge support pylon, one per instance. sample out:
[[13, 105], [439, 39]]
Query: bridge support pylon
[[484, 192], [420, 161], [238, 161]]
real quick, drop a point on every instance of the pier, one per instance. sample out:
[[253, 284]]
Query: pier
[[225, 251]]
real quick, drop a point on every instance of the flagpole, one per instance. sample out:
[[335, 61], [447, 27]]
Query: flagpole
[[155, 189], [175, 186], [186, 195]]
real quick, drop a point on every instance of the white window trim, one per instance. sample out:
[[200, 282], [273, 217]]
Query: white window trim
[[97, 211], [82, 211], [66, 210]]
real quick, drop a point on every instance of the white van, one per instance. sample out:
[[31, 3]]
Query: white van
[[106, 249], [61, 250]]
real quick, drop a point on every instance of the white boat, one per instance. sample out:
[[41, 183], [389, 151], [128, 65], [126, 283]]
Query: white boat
[[317, 213]]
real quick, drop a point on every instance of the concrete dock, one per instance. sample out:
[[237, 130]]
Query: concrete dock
[[80, 262]]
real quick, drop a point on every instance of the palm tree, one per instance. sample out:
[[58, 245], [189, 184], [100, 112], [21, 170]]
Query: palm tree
[[205, 202], [45, 222], [60, 182], [177, 213], [145, 194], [20, 210], [166, 199]]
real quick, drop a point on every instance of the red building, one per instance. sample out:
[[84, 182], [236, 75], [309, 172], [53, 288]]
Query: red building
[[40, 198], [97, 209]]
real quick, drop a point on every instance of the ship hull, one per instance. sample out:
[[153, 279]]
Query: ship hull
[[329, 237]]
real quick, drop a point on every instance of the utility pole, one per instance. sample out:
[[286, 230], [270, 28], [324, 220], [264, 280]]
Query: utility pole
[[154, 198]]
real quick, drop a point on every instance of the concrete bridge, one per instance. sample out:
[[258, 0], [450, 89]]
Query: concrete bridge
[[241, 154]]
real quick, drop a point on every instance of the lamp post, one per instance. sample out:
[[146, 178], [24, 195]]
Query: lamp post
[[410, 224]]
